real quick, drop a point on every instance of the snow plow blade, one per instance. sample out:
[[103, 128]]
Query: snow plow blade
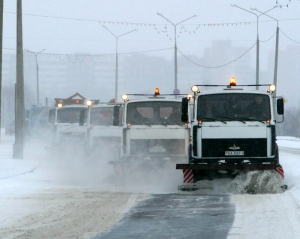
[[255, 178], [246, 167]]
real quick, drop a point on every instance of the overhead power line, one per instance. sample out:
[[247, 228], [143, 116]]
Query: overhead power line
[[289, 37], [81, 57], [88, 20], [124, 53], [148, 24], [218, 65], [269, 38], [136, 52]]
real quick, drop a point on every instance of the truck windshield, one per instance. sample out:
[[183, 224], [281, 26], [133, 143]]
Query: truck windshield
[[104, 116], [71, 115], [154, 112], [233, 107]]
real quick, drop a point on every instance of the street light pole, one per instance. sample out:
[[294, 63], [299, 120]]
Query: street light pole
[[37, 74], [19, 90], [257, 40], [117, 59], [1, 45], [276, 47], [175, 47]]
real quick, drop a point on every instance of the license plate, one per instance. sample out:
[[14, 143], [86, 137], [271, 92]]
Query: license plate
[[233, 153]]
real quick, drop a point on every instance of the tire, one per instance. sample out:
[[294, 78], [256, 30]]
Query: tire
[[190, 154]]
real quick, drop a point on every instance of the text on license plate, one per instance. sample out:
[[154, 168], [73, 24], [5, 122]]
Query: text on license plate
[[230, 153]]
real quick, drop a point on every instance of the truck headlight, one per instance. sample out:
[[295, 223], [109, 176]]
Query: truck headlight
[[272, 88], [89, 103], [195, 89], [125, 97]]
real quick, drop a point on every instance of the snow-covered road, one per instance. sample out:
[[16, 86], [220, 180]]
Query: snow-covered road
[[272, 215], [43, 196]]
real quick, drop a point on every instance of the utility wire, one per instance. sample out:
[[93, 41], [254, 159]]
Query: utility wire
[[91, 55], [269, 38], [219, 65], [148, 24], [8, 49], [289, 37], [88, 20], [146, 51]]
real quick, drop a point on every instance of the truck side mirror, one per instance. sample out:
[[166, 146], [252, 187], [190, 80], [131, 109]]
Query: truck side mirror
[[184, 110], [280, 106], [116, 115]]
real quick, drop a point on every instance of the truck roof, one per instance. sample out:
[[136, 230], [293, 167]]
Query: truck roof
[[232, 90], [151, 99], [73, 106], [110, 105]]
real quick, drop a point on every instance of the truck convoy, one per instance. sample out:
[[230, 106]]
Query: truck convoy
[[232, 130], [220, 133], [152, 130], [104, 132]]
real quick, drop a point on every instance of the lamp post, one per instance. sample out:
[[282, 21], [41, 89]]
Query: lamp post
[[116, 75], [175, 47], [37, 74], [19, 89], [257, 39], [1, 44], [276, 47]]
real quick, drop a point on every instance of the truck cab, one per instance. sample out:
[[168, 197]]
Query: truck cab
[[152, 129], [68, 123], [105, 129], [232, 129], [68, 120]]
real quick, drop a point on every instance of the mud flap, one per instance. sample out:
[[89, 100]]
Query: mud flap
[[188, 176], [280, 171], [188, 181]]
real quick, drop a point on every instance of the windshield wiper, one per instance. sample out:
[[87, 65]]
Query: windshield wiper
[[251, 119], [214, 119], [234, 119], [243, 119]]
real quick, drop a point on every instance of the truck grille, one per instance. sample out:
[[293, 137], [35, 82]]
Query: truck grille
[[250, 147], [157, 147]]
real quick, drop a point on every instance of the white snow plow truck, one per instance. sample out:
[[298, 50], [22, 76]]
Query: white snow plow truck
[[233, 130], [153, 134], [104, 130], [68, 120]]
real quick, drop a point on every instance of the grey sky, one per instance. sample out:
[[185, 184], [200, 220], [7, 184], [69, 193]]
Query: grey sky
[[70, 36], [52, 25]]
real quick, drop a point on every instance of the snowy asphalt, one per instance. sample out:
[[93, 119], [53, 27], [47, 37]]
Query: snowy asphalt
[[186, 215]]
